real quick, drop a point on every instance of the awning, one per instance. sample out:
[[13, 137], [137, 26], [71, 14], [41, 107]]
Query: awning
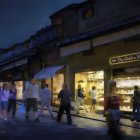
[[47, 72]]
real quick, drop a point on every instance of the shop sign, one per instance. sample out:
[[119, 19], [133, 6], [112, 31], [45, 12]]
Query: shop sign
[[125, 58]]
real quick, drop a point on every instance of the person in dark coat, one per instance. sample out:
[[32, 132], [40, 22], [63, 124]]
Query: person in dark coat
[[65, 104], [136, 104], [12, 99]]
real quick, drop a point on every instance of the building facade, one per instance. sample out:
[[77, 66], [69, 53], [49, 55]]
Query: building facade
[[87, 43]]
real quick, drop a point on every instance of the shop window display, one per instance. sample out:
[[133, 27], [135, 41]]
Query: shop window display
[[19, 86], [125, 89], [55, 85], [58, 81], [87, 80]]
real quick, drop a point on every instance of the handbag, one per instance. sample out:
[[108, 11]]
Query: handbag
[[22, 108]]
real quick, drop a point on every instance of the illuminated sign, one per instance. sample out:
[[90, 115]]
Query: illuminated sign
[[125, 58]]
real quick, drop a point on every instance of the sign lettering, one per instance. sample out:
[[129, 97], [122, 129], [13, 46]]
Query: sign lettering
[[125, 58]]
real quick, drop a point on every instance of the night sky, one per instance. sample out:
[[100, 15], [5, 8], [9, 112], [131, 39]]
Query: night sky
[[19, 19]]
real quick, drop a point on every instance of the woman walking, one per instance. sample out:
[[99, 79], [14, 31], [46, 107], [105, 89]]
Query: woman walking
[[4, 101], [112, 111]]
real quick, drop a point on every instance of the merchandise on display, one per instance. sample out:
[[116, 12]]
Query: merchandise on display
[[87, 80], [125, 89]]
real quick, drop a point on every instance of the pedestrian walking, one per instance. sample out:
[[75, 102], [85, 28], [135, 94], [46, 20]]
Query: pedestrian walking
[[80, 99], [31, 97], [65, 104], [112, 111], [4, 101], [136, 104], [12, 99], [46, 97]]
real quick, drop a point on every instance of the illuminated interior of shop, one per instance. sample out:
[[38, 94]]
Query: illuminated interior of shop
[[19, 86], [1, 84], [125, 89], [87, 80], [55, 84]]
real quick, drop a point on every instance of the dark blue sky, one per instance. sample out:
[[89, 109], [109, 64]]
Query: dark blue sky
[[21, 18]]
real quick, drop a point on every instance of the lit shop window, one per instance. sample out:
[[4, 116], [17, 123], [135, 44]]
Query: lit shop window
[[58, 81], [125, 90], [87, 80], [19, 86], [55, 85], [49, 82]]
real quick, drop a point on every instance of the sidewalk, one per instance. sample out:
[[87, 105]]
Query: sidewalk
[[48, 128], [99, 117]]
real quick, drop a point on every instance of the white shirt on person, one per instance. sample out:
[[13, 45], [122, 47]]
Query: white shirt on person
[[46, 95], [5, 95], [93, 94], [31, 91]]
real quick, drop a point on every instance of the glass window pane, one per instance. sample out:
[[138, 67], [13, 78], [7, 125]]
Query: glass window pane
[[58, 81], [87, 80], [19, 86]]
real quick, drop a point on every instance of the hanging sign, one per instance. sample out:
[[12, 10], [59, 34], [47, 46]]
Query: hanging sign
[[124, 58]]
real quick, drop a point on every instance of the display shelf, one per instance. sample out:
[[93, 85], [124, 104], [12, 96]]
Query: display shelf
[[125, 88], [124, 94]]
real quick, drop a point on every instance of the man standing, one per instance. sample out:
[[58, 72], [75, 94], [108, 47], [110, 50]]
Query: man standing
[[136, 105], [31, 96], [46, 96], [65, 104], [93, 97]]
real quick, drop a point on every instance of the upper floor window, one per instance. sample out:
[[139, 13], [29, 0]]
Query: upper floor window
[[88, 13]]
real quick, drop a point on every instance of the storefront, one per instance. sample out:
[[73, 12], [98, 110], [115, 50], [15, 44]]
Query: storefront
[[55, 84], [126, 78], [96, 66], [54, 77], [87, 80]]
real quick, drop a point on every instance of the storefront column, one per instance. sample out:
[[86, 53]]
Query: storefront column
[[67, 75], [69, 80], [107, 77]]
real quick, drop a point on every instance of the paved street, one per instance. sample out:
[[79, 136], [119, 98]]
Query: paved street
[[82, 129]]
